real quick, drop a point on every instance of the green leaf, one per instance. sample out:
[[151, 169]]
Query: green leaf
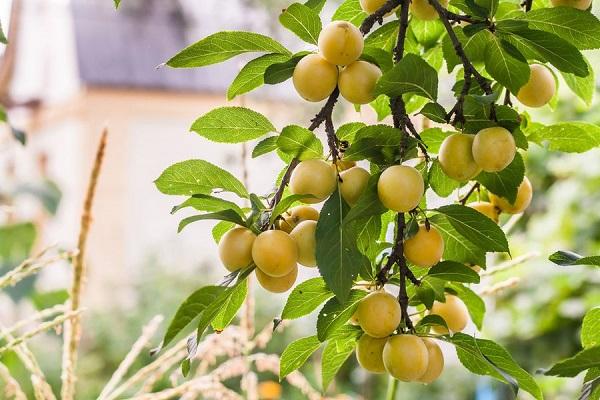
[[558, 52], [296, 354], [454, 271], [505, 64], [379, 57], [475, 227], [338, 257], [265, 146], [568, 137], [427, 33], [368, 203], [348, 131], [281, 72], [204, 202], [434, 112], [316, 5], [456, 248], [252, 74], [433, 138], [475, 304], [580, 28], [351, 11], [303, 21], [305, 298], [299, 142], [379, 144], [220, 229], [484, 357], [441, 184], [583, 87], [585, 359], [286, 203], [411, 75], [590, 328], [197, 177], [232, 125], [567, 258], [505, 183], [336, 352], [384, 37], [222, 46], [335, 314], [381, 105], [117, 3], [191, 308], [224, 215], [432, 320], [474, 47], [16, 242], [231, 307]]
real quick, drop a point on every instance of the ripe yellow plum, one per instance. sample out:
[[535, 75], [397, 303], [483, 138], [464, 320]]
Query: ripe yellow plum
[[316, 177], [494, 148], [486, 208], [277, 285], [540, 88], [524, 196], [235, 248], [421, 9], [295, 215], [453, 311], [456, 157], [314, 78], [304, 236], [357, 82], [405, 357], [400, 188], [354, 182], [435, 365], [341, 43], [425, 248], [275, 253], [369, 353], [579, 4], [378, 314], [269, 390], [370, 6]]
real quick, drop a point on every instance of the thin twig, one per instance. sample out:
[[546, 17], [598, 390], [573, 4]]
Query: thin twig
[[46, 313], [378, 16], [510, 264], [465, 198], [30, 267], [73, 326], [12, 389]]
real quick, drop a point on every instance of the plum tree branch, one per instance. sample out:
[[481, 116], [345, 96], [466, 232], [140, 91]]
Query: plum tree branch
[[468, 66], [465, 198], [378, 15]]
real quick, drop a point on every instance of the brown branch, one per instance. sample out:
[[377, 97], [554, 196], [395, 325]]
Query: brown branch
[[468, 66], [378, 16], [73, 325], [465, 198]]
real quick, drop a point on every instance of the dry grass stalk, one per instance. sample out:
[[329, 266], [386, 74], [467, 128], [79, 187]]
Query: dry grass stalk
[[46, 313], [73, 326], [30, 267], [41, 388], [46, 326], [12, 389], [510, 264], [147, 333], [499, 287]]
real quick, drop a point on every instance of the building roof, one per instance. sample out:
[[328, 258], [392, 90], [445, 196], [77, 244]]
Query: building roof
[[123, 48]]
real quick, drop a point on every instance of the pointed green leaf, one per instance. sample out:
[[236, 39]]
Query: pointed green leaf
[[567, 258], [224, 215], [351, 11], [252, 74], [296, 354], [454, 271], [222, 46], [411, 75], [265, 146], [303, 21], [231, 307], [583, 87], [505, 183], [232, 125], [569, 137], [305, 298], [197, 177], [300, 143], [585, 359], [590, 328], [456, 248], [505, 64], [335, 314]]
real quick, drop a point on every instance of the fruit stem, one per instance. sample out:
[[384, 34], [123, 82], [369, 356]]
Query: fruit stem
[[465, 198], [391, 388]]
